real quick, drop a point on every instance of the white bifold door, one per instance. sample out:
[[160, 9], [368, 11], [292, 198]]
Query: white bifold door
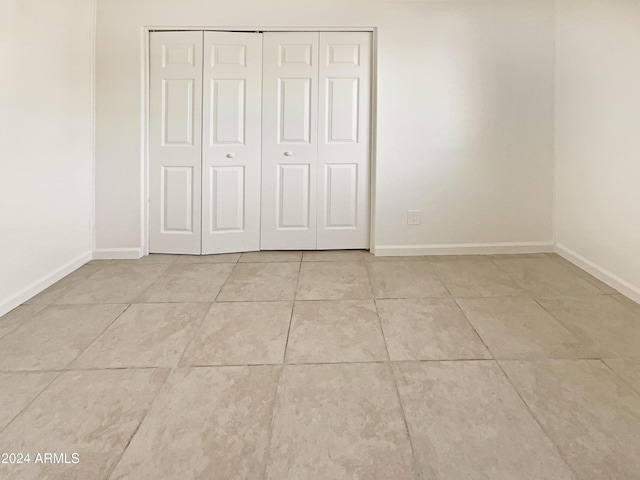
[[258, 141]]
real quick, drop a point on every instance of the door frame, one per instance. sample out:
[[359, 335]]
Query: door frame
[[145, 99]]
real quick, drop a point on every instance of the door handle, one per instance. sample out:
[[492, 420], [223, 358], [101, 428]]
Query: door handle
[[231, 155], [288, 154]]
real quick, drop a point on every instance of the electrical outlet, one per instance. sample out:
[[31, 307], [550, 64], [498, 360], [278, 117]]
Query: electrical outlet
[[413, 217]]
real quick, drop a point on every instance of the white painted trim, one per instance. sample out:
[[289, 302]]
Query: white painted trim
[[117, 254], [373, 139], [556, 130], [463, 249], [602, 274], [8, 304], [92, 87], [144, 141], [145, 99], [260, 28]]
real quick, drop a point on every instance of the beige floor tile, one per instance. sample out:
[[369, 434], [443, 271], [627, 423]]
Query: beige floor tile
[[252, 282], [517, 327], [146, 335], [151, 259], [55, 336], [219, 258], [333, 281], [17, 316], [475, 277], [121, 283], [333, 256], [270, 256], [241, 333], [613, 328], [545, 276], [17, 390], [603, 287], [188, 283], [628, 369], [370, 257], [335, 331], [467, 422], [61, 287], [520, 256], [431, 329], [207, 423], [405, 280], [590, 413], [627, 302], [338, 422], [457, 258], [92, 413], [100, 261]]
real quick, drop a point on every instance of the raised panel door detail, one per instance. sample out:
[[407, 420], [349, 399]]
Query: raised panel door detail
[[175, 142], [235, 55], [343, 150], [227, 111], [293, 196], [176, 200], [292, 55], [294, 112], [177, 55], [226, 203], [343, 54], [341, 195], [231, 145], [342, 110], [177, 112]]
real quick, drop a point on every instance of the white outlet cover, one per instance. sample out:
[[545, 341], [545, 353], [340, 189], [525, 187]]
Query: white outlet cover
[[413, 217]]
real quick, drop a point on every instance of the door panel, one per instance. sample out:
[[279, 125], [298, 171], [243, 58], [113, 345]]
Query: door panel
[[294, 110], [293, 201], [175, 142], [290, 141], [176, 200], [227, 198], [259, 141], [342, 195], [231, 152], [343, 150]]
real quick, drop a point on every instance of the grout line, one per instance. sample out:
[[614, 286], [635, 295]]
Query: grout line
[[416, 467], [98, 336], [142, 420], [624, 380], [276, 396], [535, 418], [305, 364], [46, 387], [464, 314], [193, 334], [293, 307]]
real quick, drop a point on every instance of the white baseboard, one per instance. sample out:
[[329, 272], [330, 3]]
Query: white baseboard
[[602, 274], [43, 283], [463, 249], [117, 253]]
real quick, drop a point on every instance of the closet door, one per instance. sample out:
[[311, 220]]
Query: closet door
[[343, 140], [290, 143], [231, 144], [175, 125]]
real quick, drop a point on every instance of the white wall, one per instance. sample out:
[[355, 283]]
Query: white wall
[[45, 143], [598, 122], [465, 112]]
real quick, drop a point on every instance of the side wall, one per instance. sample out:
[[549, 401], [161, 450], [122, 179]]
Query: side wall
[[598, 172], [465, 111], [45, 144]]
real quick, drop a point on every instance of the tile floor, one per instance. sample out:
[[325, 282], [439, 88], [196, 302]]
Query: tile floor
[[323, 365]]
